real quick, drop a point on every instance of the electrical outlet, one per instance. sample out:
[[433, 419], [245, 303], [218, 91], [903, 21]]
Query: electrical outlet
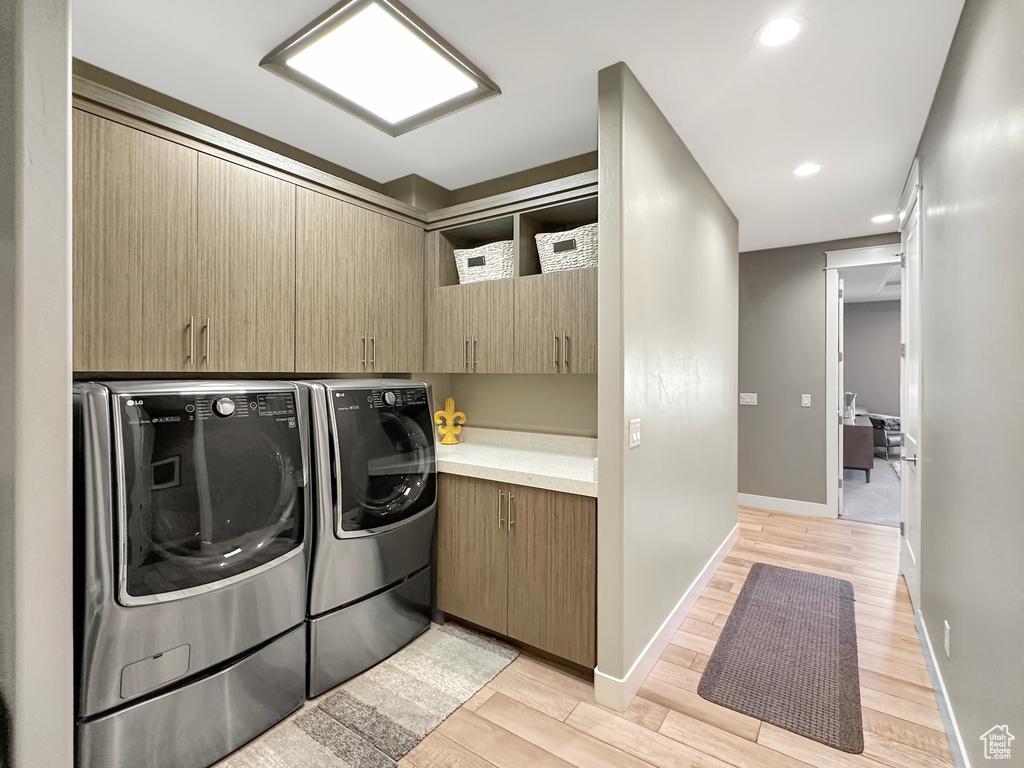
[[634, 433], [805, 401], [945, 625], [748, 398]]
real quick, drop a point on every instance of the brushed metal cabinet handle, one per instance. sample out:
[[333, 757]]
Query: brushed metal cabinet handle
[[364, 350], [192, 340], [373, 350], [465, 352], [206, 329], [554, 350], [511, 517], [474, 354], [501, 495], [565, 351]]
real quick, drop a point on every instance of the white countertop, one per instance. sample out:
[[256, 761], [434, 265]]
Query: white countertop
[[552, 462]]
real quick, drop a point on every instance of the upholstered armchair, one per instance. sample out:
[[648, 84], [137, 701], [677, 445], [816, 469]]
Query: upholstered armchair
[[886, 432]]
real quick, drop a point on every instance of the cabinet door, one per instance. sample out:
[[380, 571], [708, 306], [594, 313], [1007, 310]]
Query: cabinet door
[[488, 310], [471, 551], [556, 322], [246, 275], [538, 333], [395, 282], [574, 294], [134, 248], [331, 242], [445, 347], [552, 573]]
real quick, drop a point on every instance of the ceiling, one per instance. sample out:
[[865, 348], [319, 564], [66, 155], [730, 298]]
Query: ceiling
[[852, 91], [862, 284]]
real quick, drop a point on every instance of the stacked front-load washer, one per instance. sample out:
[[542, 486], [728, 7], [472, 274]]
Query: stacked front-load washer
[[371, 579], [191, 571]]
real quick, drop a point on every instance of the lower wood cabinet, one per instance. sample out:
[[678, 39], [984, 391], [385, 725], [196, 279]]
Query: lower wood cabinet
[[521, 562]]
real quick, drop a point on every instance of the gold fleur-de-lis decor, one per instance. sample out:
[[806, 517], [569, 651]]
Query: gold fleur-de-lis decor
[[452, 422]]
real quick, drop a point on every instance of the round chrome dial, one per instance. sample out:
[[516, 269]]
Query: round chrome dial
[[224, 406]]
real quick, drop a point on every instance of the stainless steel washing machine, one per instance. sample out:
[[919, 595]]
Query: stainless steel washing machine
[[371, 583], [191, 570]]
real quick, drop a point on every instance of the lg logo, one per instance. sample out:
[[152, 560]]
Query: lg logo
[[134, 402]]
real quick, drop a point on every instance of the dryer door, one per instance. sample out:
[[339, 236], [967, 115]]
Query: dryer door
[[384, 458], [210, 490]]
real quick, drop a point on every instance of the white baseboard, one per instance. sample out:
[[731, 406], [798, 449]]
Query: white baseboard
[[791, 506], [933, 666], [616, 693]]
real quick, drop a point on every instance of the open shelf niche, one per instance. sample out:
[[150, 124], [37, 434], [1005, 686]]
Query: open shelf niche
[[520, 227], [470, 235], [552, 218]]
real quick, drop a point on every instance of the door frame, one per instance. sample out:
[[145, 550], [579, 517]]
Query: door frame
[[911, 203], [872, 256]]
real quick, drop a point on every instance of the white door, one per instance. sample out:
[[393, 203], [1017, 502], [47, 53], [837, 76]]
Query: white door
[[842, 388], [910, 400]]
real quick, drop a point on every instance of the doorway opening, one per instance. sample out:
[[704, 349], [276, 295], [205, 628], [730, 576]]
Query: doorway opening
[[868, 271], [870, 382]]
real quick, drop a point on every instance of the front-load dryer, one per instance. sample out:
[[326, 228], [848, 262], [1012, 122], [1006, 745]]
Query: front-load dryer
[[191, 569], [371, 581]]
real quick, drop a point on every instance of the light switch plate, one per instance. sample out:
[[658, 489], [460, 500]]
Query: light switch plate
[[945, 639], [634, 433], [748, 398], [805, 401]]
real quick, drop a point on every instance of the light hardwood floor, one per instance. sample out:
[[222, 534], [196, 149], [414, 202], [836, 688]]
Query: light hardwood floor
[[536, 715]]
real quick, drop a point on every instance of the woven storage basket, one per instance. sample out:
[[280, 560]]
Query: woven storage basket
[[488, 262], [575, 249]]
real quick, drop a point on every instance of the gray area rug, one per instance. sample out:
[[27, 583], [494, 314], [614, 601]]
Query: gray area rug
[[877, 502], [375, 719], [788, 656]]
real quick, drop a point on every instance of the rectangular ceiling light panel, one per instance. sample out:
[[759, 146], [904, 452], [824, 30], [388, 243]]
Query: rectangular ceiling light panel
[[375, 59]]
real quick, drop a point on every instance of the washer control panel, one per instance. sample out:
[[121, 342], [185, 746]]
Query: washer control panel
[[397, 398]]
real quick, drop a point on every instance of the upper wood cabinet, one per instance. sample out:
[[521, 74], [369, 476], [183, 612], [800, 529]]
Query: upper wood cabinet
[[134, 249], [556, 322], [394, 274], [520, 561], [529, 323], [245, 286], [188, 262], [359, 282], [331, 319], [469, 328]]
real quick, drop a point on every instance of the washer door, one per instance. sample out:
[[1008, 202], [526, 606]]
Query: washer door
[[206, 498], [384, 461]]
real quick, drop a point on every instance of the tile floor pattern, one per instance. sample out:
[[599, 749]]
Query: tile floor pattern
[[535, 715]]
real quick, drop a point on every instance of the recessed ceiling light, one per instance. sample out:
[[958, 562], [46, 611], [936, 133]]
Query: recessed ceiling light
[[882, 218], [778, 32], [377, 60], [807, 169]]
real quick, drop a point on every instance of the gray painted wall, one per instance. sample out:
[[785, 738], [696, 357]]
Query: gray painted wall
[[667, 355], [782, 356], [872, 355], [564, 405], [972, 527], [36, 715]]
